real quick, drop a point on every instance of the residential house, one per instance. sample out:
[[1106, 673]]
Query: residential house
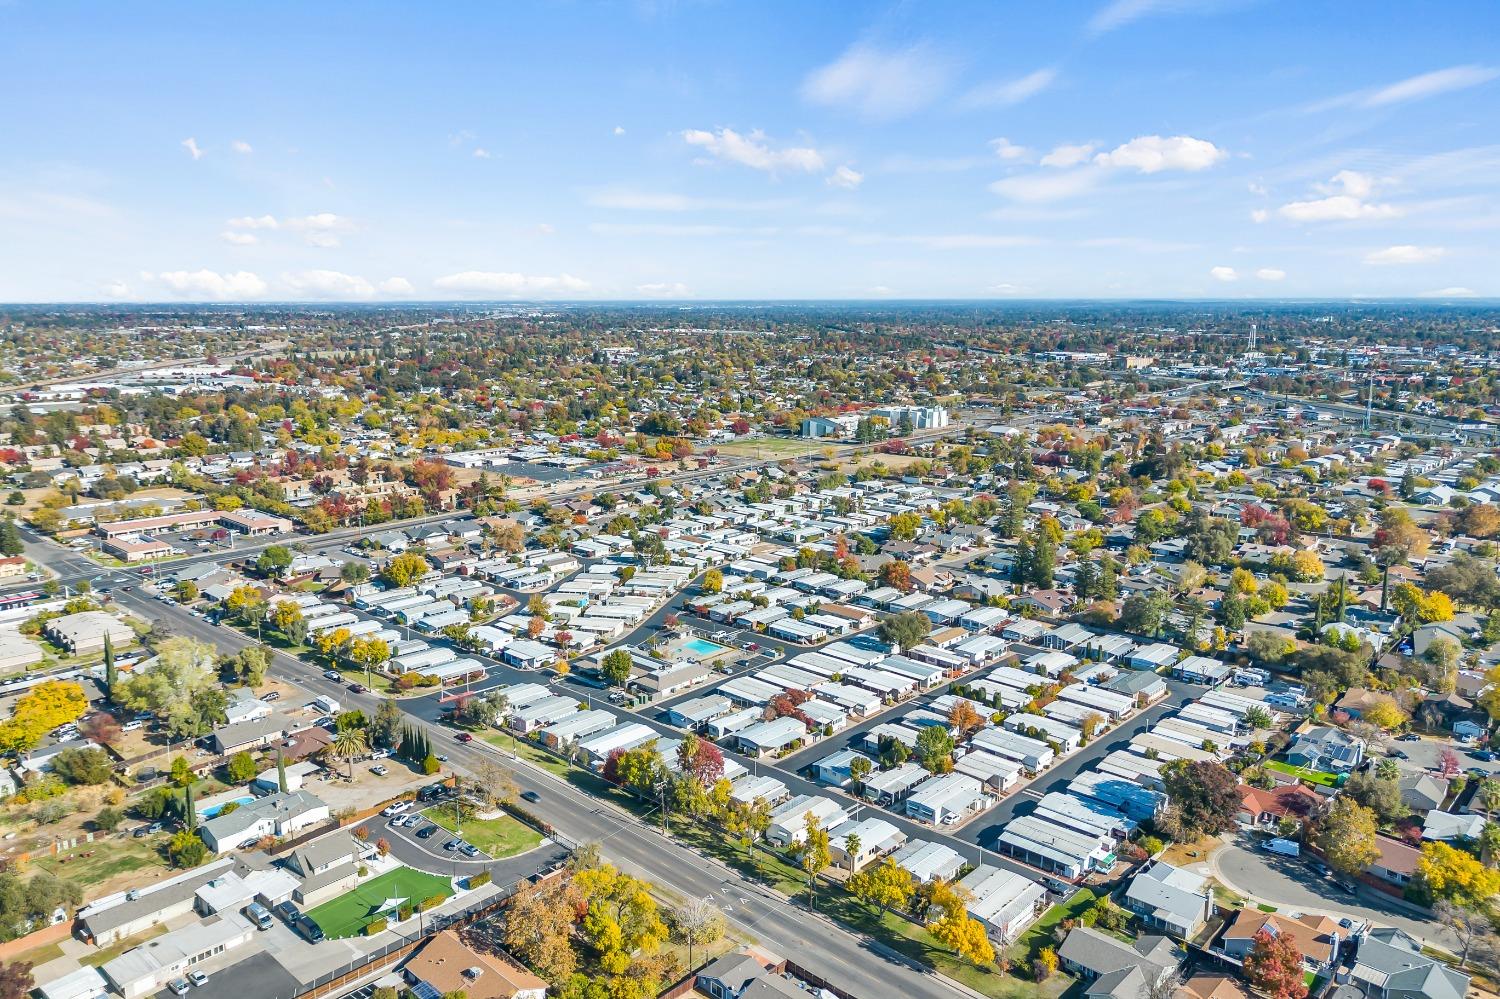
[[1111, 968], [1322, 747], [1316, 937], [1170, 899], [445, 965], [1391, 965]]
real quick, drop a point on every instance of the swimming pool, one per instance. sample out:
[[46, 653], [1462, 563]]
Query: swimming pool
[[214, 810], [702, 648]]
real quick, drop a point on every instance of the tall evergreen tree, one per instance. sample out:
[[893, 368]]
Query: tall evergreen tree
[[189, 811], [111, 674], [280, 772]]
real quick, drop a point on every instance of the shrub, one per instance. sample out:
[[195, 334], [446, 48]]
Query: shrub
[[479, 880], [430, 765], [404, 913], [376, 926], [434, 902]]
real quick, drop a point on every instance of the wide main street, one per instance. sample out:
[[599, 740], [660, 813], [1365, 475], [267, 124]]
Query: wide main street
[[806, 938]]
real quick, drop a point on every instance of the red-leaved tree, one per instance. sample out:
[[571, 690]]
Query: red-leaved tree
[[1274, 965]]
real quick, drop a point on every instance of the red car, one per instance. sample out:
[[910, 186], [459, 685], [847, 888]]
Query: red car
[[465, 737]]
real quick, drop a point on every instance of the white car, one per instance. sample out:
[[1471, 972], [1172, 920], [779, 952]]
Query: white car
[[379, 771], [332, 674], [396, 809]]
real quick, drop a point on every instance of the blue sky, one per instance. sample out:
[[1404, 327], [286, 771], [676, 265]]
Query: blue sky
[[1098, 148]]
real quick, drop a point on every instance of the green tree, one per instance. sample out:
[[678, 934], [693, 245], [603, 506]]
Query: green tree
[[241, 768], [935, 749], [616, 667], [906, 630]]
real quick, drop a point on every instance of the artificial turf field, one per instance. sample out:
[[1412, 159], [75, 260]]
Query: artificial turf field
[[348, 914]]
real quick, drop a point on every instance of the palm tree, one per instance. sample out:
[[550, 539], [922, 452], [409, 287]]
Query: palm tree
[[349, 743]]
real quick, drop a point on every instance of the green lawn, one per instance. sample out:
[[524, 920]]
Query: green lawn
[[498, 837], [1311, 776], [348, 914], [1039, 933]]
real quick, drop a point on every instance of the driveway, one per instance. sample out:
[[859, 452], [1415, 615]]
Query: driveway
[[1290, 884]]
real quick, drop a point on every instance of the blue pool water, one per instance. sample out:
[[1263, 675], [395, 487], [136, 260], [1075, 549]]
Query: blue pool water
[[702, 648], [209, 813]]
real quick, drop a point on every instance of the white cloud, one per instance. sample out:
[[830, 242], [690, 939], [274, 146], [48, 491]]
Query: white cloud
[[1047, 186], [1431, 84], [253, 222], [879, 83], [1153, 153], [1350, 182], [327, 284], [116, 289], [1346, 193], [1271, 274], [1339, 208], [619, 129], [480, 153], [1007, 150], [1068, 155], [238, 238], [191, 145], [846, 177], [397, 286], [207, 284], [674, 289], [1258, 215], [319, 222], [1119, 13], [1005, 93], [242, 147], [1405, 254], [545, 228], [509, 284], [753, 150], [318, 230], [1450, 293], [1223, 274]]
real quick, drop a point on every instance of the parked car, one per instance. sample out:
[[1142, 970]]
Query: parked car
[[396, 808], [1409, 737], [465, 737], [310, 930], [379, 771], [358, 688], [428, 832], [1397, 754], [288, 911], [332, 674], [1487, 755], [469, 850], [274, 695], [452, 844], [179, 986], [531, 796]]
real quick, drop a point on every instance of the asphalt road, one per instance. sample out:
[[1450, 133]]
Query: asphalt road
[[811, 941], [1290, 884]]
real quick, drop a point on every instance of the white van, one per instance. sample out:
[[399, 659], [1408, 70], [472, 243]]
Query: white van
[[326, 704]]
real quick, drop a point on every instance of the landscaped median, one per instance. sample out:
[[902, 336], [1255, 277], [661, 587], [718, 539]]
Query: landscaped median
[[350, 913]]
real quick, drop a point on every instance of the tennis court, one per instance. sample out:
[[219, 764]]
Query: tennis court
[[348, 914]]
